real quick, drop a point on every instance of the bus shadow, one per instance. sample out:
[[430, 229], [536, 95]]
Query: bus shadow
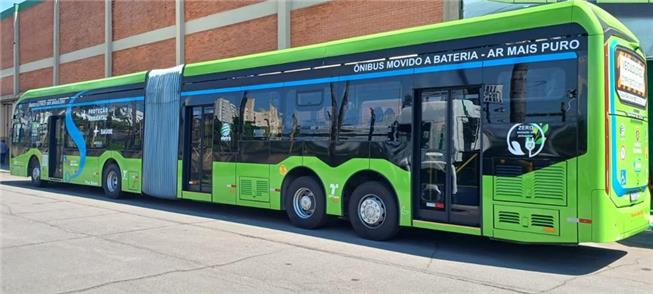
[[641, 240], [556, 259]]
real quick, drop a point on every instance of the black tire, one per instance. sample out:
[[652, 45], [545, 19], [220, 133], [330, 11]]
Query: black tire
[[382, 225], [307, 191], [34, 170], [111, 181]]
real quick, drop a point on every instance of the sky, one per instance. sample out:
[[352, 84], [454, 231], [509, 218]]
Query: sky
[[4, 4]]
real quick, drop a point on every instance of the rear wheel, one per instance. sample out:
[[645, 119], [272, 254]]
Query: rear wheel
[[35, 173], [305, 203], [373, 211], [111, 181]]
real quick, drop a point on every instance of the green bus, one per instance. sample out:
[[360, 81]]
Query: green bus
[[527, 126]]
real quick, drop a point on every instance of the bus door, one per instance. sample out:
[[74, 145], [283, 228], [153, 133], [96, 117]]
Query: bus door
[[56, 130], [448, 155], [198, 149]]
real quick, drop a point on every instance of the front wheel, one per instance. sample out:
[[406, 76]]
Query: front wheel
[[373, 211], [111, 182], [35, 173], [305, 203]]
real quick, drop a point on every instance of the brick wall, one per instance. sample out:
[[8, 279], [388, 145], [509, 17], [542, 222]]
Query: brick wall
[[81, 24], [145, 57], [253, 36], [136, 17], [198, 8], [82, 70], [7, 43], [36, 79], [7, 85], [36, 33], [348, 18]]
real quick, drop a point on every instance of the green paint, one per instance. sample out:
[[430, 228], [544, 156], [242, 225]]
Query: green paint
[[196, 196], [447, 227], [224, 182]]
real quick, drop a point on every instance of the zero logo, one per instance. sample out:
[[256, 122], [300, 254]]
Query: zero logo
[[530, 136]]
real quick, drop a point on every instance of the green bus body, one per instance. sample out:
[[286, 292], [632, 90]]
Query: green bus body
[[582, 178]]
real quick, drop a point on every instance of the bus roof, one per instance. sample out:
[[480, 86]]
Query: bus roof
[[589, 16], [127, 79]]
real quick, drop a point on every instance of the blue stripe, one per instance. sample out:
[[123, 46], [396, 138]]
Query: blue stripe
[[391, 73], [77, 137], [534, 58], [97, 102]]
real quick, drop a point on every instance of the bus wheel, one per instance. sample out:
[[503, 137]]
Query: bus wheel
[[305, 203], [35, 173], [111, 181], [373, 211]]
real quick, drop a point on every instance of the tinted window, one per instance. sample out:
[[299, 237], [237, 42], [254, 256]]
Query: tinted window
[[260, 120], [80, 120], [39, 129], [308, 112], [370, 109], [121, 126], [137, 139], [226, 122], [310, 98], [531, 92], [20, 133]]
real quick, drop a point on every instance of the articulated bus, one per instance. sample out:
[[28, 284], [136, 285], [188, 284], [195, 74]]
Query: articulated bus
[[527, 126]]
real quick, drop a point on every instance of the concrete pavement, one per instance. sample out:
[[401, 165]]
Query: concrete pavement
[[70, 239]]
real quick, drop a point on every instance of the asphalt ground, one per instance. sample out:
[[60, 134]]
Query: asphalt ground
[[70, 239]]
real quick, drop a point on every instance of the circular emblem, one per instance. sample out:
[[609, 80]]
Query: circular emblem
[[526, 136]]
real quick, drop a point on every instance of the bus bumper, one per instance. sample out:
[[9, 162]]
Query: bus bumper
[[613, 223]]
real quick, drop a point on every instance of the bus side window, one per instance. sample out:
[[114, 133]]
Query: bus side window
[[308, 112], [226, 123], [122, 127], [137, 138], [371, 108], [20, 134], [261, 120], [533, 92]]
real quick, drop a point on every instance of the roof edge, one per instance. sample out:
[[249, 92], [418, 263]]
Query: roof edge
[[127, 79]]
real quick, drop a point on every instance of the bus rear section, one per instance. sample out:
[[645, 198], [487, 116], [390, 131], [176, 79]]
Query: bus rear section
[[622, 208]]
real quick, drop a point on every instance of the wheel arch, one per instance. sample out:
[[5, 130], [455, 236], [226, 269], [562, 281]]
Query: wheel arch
[[293, 174], [105, 164], [359, 178], [33, 157]]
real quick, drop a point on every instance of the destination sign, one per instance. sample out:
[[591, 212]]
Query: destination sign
[[471, 55], [48, 102]]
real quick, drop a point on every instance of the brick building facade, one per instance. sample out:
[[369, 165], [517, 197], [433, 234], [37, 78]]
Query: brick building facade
[[66, 41]]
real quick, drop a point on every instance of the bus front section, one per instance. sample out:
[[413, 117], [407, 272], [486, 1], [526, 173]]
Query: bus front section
[[622, 208]]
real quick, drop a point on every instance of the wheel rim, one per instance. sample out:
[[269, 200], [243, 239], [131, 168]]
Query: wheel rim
[[304, 203], [112, 181], [372, 211], [36, 173]]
